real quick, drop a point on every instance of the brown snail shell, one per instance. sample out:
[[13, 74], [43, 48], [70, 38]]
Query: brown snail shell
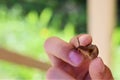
[[90, 51]]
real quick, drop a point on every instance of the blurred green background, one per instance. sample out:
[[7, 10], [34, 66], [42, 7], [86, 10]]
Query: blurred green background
[[26, 24]]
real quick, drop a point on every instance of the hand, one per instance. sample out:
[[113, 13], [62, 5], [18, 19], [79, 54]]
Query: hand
[[68, 64]]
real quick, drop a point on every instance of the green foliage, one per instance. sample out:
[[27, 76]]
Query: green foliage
[[27, 35], [45, 16], [116, 53], [50, 11], [116, 36], [32, 17]]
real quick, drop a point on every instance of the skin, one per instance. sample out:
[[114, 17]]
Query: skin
[[69, 64]]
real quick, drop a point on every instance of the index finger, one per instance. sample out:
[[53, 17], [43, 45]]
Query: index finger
[[62, 50]]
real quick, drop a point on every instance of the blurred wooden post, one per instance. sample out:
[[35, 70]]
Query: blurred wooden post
[[101, 20]]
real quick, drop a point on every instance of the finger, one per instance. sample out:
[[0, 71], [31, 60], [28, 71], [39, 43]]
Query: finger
[[54, 60], [98, 71], [62, 50], [55, 73], [84, 40]]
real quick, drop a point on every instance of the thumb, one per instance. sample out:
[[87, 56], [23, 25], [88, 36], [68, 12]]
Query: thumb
[[99, 71]]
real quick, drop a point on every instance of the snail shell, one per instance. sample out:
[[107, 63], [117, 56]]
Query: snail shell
[[91, 51]]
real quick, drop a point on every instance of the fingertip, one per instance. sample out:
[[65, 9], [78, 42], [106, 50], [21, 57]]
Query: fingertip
[[52, 42], [97, 64], [85, 39], [75, 58], [98, 70], [49, 40]]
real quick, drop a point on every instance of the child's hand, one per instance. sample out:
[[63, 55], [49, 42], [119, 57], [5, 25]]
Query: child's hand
[[69, 64]]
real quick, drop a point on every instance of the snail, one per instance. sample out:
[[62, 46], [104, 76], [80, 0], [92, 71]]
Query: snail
[[90, 51]]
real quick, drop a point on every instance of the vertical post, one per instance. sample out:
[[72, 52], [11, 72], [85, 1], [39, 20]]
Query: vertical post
[[101, 20]]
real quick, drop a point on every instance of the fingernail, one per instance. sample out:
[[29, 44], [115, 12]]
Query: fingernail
[[100, 65], [75, 58], [84, 39]]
